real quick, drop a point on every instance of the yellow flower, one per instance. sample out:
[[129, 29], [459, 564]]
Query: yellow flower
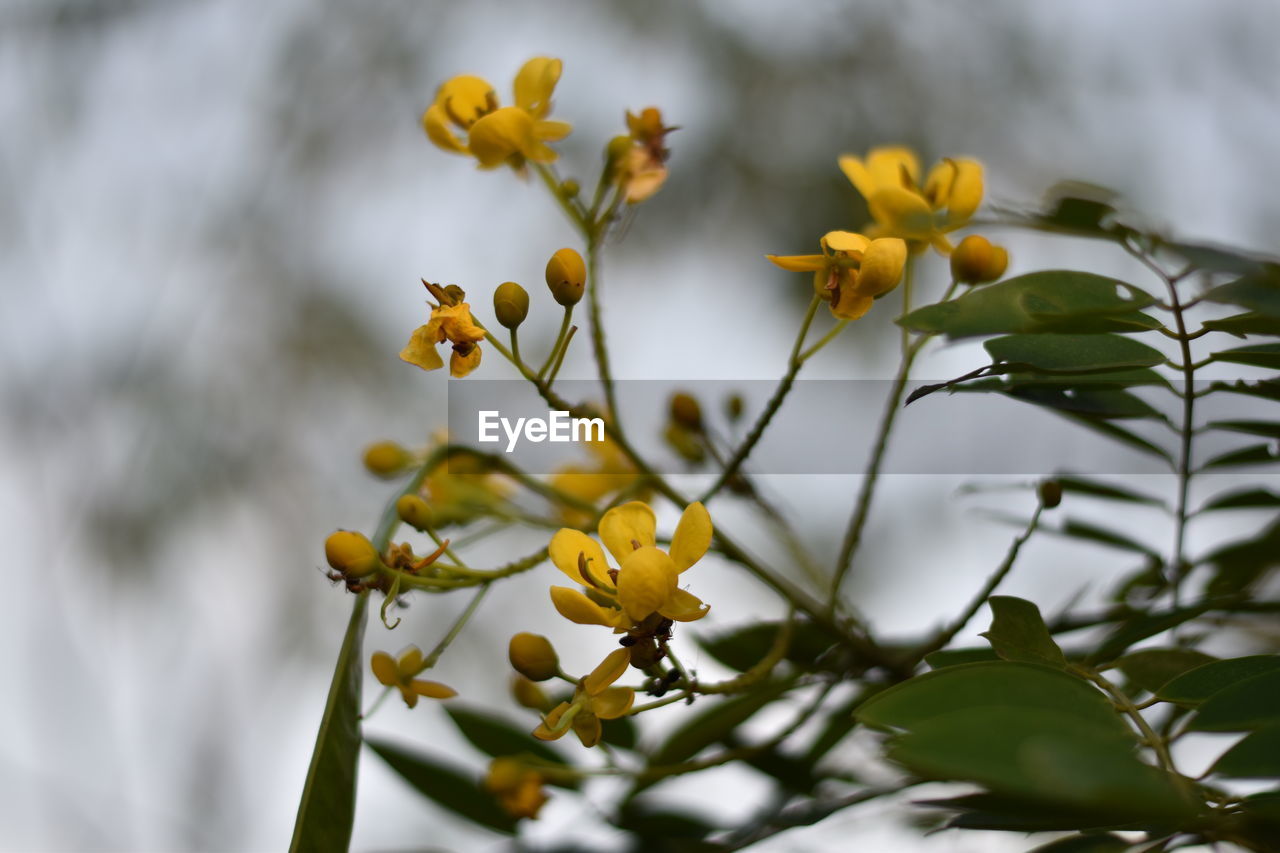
[[647, 580], [889, 180], [517, 786], [593, 700], [495, 134], [852, 270], [643, 169], [451, 320], [401, 674]]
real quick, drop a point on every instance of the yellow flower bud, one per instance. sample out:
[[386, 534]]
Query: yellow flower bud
[[533, 656], [386, 459], [510, 304], [351, 553], [615, 155], [529, 695], [686, 412], [414, 512], [976, 260], [569, 188], [566, 276]]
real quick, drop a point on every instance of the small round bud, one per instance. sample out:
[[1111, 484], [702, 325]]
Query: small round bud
[[351, 553], [976, 260], [386, 459], [734, 406], [414, 512], [615, 155], [566, 276], [529, 695], [1050, 493], [533, 656], [569, 188], [510, 304], [686, 412]]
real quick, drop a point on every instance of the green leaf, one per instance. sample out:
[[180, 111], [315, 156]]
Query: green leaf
[[1009, 813], [1256, 454], [1199, 684], [955, 657], [1257, 756], [1083, 530], [620, 733], [327, 810], [1084, 400], [1073, 353], [1046, 755], [1258, 291], [1151, 669], [1207, 256], [663, 825], [1120, 434], [713, 725], [743, 648], [1257, 355], [1241, 564], [1092, 842], [453, 788], [1266, 429], [1024, 686], [496, 738], [1245, 705], [1018, 633], [1138, 628], [1267, 389], [1107, 491], [1243, 499], [1249, 323], [1050, 301]]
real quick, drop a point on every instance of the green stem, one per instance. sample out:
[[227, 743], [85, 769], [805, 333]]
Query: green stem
[[555, 369], [458, 624], [597, 328], [560, 341]]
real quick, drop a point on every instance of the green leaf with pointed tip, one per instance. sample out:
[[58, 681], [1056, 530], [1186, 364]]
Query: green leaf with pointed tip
[[1194, 687], [1024, 686], [1083, 530], [1107, 491], [1086, 401], [496, 738], [1073, 353], [1018, 633], [1257, 756], [1254, 454], [451, 787], [327, 810], [1249, 323], [1258, 291], [1256, 355], [1243, 499], [1050, 301], [1151, 669], [1140, 627], [1266, 429], [1250, 704]]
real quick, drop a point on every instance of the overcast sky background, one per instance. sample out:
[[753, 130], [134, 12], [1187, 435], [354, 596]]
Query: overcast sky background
[[213, 219]]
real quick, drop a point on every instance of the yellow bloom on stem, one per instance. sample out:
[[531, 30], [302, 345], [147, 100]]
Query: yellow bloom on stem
[[517, 786], [647, 580], [494, 134], [852, 270], [889, 179], [451, 321], [401, 674], [642, 170], [593, 700]]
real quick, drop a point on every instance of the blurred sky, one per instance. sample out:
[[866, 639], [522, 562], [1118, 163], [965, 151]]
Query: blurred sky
[[213, 219]]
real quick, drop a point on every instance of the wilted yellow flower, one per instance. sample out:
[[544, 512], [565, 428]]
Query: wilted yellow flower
[[400, 674], [451, 321], [889, 180], [517, 786], [593, 700], [647, 580], [495, 134], [851, 271], [642, 167]]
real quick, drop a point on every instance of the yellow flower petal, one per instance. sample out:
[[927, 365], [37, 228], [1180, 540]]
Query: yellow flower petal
[[902, 212], [410, 698], [966, 193], [889, 165], [587, 727], [623, 527], [546, 730], [692, 537], [466, 98], [646, 582], [551, 131], [534, 83], [499, 135], [579, 609], [613, 703], [421, 349], [564, 549], [858, 174], [851, 305], [608, 671], [432, 689], [385, 669], [844, 241], [457, 323], [436, 123], [937, 187], [799, 263], [461, 364], [684, 607], [410, 663], [882, 266]]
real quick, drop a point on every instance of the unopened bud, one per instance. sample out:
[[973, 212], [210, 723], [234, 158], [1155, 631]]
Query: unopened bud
[[510, 304], [566, 276], [529, 695], [569, 188], [976, 260], [615, 155], [351, 553], [414, 511], [733, 406], [1050, 493], [533, 656], [686, 412], [386, 459]]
